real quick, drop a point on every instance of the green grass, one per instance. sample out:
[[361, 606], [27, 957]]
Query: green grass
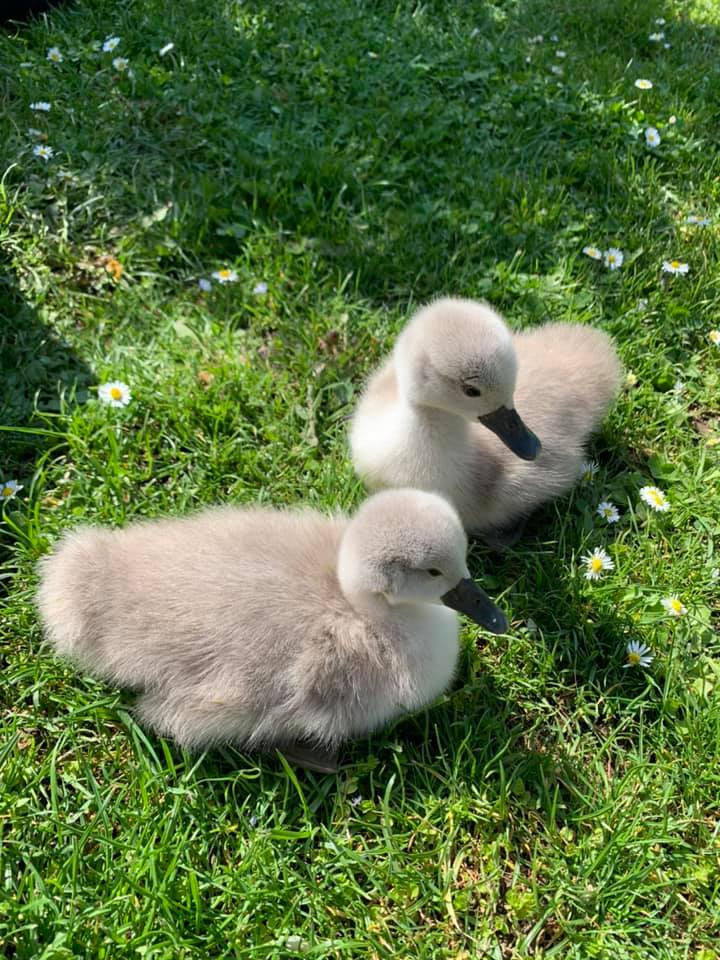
[[359, 158]]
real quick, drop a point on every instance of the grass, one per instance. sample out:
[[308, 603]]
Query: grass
[[359, 158]]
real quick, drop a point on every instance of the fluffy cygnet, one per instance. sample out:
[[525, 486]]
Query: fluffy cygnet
[[270, 628], [496, 422]]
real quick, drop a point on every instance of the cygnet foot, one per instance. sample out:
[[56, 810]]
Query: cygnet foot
[[317, 759], [502, 538]]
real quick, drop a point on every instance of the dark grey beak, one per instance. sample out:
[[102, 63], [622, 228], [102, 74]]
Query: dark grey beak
[[507, 425], [468, 598]]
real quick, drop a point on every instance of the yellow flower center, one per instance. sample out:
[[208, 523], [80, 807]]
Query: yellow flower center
[[7, 491], [116, 393], [715, 336], [674, 264], [596, 564], [634, 658], [657, 498], [676, 605], [224, 274]]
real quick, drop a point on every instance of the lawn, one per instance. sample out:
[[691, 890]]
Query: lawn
[[347, 161]]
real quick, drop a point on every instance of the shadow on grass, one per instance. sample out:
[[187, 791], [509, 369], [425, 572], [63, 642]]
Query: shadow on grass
[[39, 372]]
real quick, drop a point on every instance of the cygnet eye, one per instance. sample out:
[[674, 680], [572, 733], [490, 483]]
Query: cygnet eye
[[434, 572], [470, 391]]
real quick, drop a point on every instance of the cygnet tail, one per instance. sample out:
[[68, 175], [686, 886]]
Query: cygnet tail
[[568, 378], [71, 595]]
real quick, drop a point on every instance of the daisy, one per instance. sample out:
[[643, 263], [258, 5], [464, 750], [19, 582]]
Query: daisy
[[593, 252], [714, 337], [655, 498], [225, 275], [54, 55], [657, 37], [204, 285], [588, 471], [9, 489], [643, 84], [121, 63], [561, 54], [116, 393], [660, 21], [638, 655], [675, 266], [652, 137], [538, 39], [558, 71], [613, 258], [631, 379], [110, 44], [697, 221], [42, 151], [260, 288], [596, 563], [41, 105], [608, 511], [674, 606], [166, 49]]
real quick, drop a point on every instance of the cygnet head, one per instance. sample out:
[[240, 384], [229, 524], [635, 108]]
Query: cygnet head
[[458, 356], [407, 546]]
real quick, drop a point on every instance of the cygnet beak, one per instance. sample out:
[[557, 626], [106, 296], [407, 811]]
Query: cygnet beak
[[507, 425], [468, 598]]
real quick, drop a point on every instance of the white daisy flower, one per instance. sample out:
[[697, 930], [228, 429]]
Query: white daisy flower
[[116, 393], [110, 44], [672, 119], [666, 46], [593, 252], [54, 55], [714, 337], [260, 288], [660, 21], [638, 654], [225, 275], [43, 151], [558, 71], [631, 379], [121, 63], [675, 607], [561, 54], [657, 37], [675, 266], [166, 49], [9, 489], [613, 258], [642, 84], [596, 563], [652, 137], [554, 38], [695, 220], [42, 105], [204, 285], [537, 39], [587, 471], [655, 498], [608, 511]]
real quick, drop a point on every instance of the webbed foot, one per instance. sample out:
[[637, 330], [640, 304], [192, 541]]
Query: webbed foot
[[317, 759]]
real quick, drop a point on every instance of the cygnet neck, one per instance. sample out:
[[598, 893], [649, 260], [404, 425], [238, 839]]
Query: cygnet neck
[[373, 606]]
